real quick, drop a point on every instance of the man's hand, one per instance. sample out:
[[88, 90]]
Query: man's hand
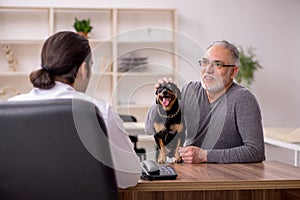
[[160, 81], [192, 154]]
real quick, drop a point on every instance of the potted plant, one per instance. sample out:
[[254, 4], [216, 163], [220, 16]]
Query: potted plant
[[83, 27], [247, 66]]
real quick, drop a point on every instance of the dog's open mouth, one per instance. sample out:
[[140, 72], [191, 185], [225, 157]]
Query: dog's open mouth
[[165, 100]]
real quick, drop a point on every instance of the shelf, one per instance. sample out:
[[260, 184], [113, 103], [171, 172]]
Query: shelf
[[135, 106], [100, 41], [42, 40], [12, 74], [130, 19], [22, 41], [146, 42], [116, 33], [12, 18], [100, 20], [146, 35], [152, 74], [102, 74]]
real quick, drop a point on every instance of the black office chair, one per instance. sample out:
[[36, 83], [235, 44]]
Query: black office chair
[[141, 152], [54, 150]]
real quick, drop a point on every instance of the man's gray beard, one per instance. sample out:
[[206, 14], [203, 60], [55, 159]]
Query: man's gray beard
[[217, 87]]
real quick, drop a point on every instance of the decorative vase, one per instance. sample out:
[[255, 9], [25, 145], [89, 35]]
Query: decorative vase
[[84, 34]]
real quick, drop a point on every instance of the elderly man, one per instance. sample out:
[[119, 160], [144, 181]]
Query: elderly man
[[223, 119]]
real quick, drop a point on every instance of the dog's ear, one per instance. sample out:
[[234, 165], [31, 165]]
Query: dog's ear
[[156, 91], [178, 92]]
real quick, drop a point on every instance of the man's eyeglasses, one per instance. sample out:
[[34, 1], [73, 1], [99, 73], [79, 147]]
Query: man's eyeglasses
[[214, 64]]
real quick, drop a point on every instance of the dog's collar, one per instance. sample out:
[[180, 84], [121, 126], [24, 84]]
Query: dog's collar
[[168, 116]]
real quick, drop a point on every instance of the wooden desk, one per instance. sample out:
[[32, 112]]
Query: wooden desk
[[269, 180]]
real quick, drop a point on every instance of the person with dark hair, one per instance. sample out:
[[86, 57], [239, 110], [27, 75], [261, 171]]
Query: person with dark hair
[[65, 72], [223, 119], [61, 61]]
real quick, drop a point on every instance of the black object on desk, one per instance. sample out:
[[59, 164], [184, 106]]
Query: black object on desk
[[151, 171]]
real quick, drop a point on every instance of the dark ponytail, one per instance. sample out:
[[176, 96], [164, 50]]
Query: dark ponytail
[[62, 54], [42, 79]]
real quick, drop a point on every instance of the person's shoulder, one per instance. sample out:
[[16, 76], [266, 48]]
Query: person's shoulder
[[241, 90], [21, 97], [191, 90], [192, 85], [242, 94], [102, 105], [15, 98]]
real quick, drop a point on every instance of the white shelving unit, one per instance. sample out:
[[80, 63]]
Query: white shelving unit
[[117, 34]]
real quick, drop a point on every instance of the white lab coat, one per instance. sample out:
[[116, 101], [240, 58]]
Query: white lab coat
[[126, 162]]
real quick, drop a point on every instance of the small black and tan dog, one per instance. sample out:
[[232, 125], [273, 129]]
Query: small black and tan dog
[[168, 122]]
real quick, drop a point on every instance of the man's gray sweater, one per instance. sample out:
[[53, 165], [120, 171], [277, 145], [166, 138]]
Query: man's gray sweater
[[230, 128]]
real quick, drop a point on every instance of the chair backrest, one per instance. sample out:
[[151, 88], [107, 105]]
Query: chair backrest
[[141, 152], [44, 157], [128, 118]]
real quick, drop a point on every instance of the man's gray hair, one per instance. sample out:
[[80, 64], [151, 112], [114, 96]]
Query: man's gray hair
[[232, 49]]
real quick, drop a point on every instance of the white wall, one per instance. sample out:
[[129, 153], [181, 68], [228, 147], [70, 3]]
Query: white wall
[[271, 26]]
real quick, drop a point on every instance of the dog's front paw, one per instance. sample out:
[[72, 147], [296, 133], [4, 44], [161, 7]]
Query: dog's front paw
[[161, 161], [178, 160], [162, 157]]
